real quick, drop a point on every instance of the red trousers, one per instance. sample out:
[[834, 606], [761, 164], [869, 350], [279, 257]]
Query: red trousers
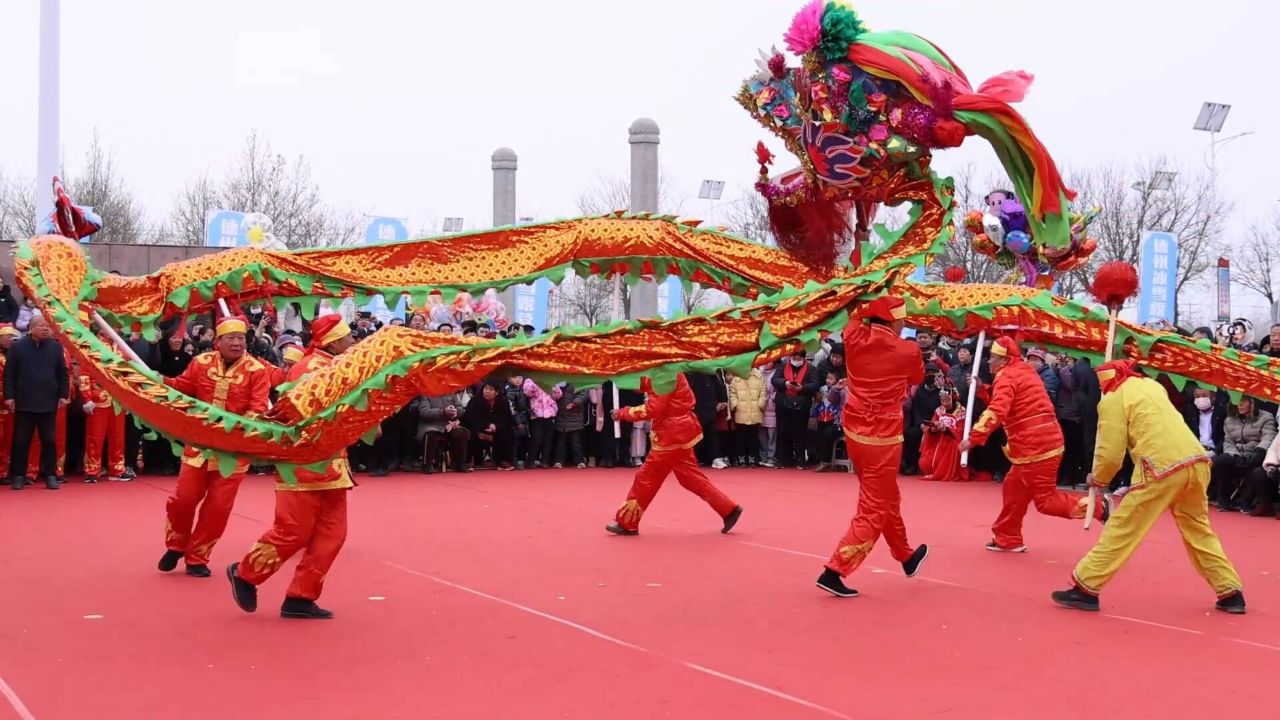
[[312, 519], [1033, 482], [6, 440], [879, 511], [219, 495], [33, 458], [654, 471], [104, 424]]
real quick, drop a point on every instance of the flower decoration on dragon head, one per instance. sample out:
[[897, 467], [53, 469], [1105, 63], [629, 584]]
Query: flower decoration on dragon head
[[863, 109]]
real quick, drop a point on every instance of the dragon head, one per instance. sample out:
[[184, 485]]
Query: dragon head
[[862, 107]]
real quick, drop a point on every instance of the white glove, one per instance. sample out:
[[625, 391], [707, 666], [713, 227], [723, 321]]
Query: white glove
[[88, 408]]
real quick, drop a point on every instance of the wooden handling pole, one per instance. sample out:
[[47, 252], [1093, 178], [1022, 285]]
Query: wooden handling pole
[[973, 394], [1110, 352]]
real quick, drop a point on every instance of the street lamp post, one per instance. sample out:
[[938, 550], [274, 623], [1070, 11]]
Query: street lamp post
[[711, 190], [1211, 119]]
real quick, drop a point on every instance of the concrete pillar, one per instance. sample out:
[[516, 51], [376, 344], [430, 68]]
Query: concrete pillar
[[49, 124], [504, 207], [644, 198]]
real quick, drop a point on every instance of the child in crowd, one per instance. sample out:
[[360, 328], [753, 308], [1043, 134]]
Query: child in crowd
[[827, 413]]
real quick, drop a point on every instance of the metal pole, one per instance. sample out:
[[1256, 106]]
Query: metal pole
[[973, 394], [49, 104]]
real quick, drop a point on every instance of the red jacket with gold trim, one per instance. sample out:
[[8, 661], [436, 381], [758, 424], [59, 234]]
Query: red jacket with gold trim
[[673, 423], [1020, 403], [886, 366], [241, 388], [337, 475]]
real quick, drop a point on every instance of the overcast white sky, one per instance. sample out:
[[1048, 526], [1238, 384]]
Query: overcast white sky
[[399, 105]]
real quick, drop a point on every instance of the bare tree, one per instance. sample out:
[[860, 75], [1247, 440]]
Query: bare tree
[[1152, 195], [17, 208], [748, 218], [266, 182], [695, 298], [1258, 258], [98, 185], [583, 300], [613, 192]]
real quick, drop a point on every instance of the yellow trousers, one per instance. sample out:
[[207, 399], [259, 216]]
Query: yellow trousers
[[1184, 494]]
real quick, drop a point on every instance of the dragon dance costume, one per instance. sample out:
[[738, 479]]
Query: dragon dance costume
[[311, 514], [872, 420], [103, 424], [1171, 472], [1020, 403], [241, 386], [675, 431]]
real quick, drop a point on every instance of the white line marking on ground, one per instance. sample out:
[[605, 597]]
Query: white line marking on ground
[[15, 701], [783, 550], [1255, 644], [1154, 624], [608, 638]]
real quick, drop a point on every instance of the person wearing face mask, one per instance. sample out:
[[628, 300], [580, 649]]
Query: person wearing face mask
[[1020, 404], [769, 421], [794, 384], [1172, 473], [1205, 417], [1247, 432]]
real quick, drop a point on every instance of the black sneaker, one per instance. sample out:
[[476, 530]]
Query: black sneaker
[[129, 474], [913, 563], [1076, 599], [243, 592], [993, 547], [831, 582], [1233, 603], [731, 519], [1106, 507], [304, 610], [200, 571], [6, 481], [90, 479], [380, 472], [51, 483], [19, 482], [169, 560], [617, 529]]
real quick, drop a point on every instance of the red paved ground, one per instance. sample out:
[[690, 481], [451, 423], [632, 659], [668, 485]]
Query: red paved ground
[[504, 598]]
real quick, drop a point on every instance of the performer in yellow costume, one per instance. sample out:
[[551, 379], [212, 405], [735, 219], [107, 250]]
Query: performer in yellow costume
[[1171, 473]]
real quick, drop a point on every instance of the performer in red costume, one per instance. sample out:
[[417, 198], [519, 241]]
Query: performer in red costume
[[230, 379], [675, 431], [310, 515], [33, 457], [1020, 403], [872, 420], [8, 333], [103, 422]]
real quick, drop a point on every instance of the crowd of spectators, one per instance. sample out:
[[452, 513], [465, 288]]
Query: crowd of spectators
[[780, 415]]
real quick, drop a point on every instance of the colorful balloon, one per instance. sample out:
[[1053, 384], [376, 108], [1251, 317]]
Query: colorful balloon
[[992, 226], [973, 221], [1017, 242]]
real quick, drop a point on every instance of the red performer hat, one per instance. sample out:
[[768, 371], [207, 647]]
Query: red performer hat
[[232, 324], [886, 308], [328, 329], [1112, 375], [1007, 348]]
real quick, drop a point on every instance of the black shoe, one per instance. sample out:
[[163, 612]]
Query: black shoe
[[169, 560], [90, 479], [380, 472], [243, 592], [6, 481], [617, 529], [913, 563], [1233, 603], [1076, 599], [198, 570], [1106, 508], [993, 547], [129, 474], [304, 609], [51, 483], [429, 469], [731, 519], [830, 581], [61, 479], [462, 468], [18, 483]]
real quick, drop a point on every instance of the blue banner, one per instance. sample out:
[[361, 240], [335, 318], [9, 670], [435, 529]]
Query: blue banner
[[224, 228], [670, 294], [531, 304], [385, 229], [1158, 277]]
